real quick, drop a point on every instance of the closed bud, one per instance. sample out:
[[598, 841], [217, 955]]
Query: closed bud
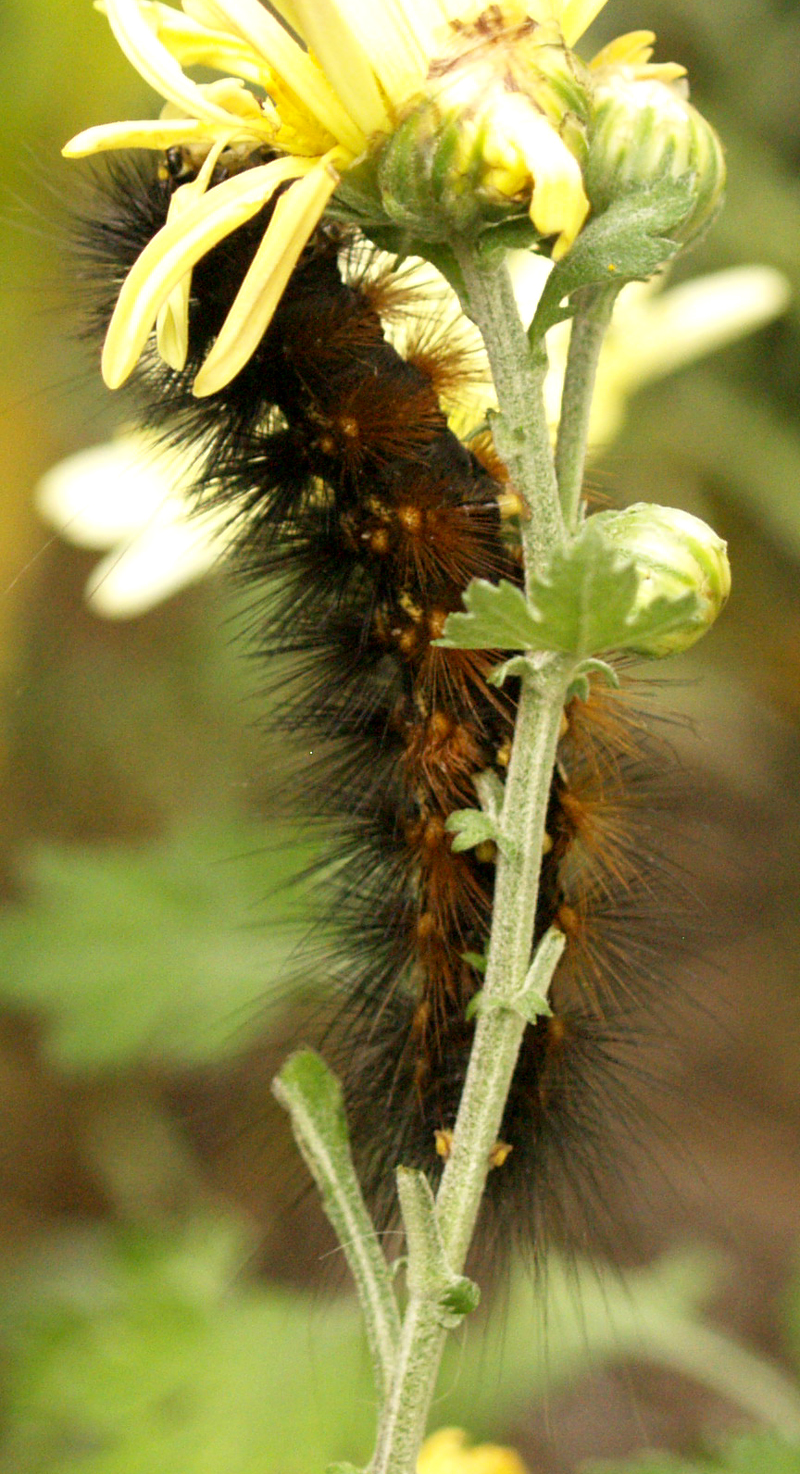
[[675, 554], [499, 133], [643, 130]]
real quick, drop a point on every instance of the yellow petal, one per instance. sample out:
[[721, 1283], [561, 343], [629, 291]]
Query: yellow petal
[[195, 44], [172, 325], [249, 19], [576, 16], [161, 133], [296, 215], [153, 62], [172, 322], [558, 203], [360, 45], [175, 250]]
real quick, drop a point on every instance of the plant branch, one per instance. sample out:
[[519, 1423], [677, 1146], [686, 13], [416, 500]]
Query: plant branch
[[589, 324]]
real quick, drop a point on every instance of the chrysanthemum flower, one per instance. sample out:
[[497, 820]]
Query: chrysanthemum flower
[[301, 114]]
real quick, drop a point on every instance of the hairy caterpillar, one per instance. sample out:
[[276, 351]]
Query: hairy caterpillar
[[365, 517]]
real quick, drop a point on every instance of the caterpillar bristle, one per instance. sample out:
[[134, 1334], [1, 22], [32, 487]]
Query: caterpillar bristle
[[363, 517]]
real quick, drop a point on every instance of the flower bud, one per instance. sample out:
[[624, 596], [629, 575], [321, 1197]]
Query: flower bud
[[643, 130], [675, 554], [499, 133]]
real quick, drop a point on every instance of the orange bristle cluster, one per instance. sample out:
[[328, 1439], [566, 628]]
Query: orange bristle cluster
[[364, 518]]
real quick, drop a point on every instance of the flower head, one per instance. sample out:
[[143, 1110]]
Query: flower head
[[288, 119]]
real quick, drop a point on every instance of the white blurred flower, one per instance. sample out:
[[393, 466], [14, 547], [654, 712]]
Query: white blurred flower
[[130, 496], [654, 332]]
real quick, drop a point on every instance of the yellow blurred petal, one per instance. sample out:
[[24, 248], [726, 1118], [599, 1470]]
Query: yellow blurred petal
[[249, 19], [634, 50], [296, 215], [448, 1452], [153, 62], [576, 17], [175, 250]]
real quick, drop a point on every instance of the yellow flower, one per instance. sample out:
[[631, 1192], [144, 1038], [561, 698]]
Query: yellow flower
[[322, 104], [447, 1452]]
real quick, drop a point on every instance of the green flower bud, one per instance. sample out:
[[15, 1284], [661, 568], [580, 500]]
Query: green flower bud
[[643, 130], [500, 133], [675, 554]]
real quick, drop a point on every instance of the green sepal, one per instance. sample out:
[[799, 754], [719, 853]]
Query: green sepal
[[628, 242]]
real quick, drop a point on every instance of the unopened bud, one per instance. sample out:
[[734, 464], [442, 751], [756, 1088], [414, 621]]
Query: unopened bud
[[644, 130], [675, 554]]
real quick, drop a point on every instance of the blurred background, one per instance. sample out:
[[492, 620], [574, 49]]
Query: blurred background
[[165, 1305]]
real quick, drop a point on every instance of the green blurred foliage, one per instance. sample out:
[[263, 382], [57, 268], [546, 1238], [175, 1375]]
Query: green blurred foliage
[[754, 1455], [166, 953], [138, 1350]]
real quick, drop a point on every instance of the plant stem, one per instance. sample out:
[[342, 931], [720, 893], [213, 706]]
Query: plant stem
[[586, 339], [524, 442], [520, 430]]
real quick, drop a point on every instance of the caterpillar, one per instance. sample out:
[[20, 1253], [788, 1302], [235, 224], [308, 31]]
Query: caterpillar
[[363, 516]]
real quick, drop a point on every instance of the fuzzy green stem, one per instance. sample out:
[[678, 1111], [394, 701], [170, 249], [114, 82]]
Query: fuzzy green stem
[[520, 430], [586, 339], [523, 440]]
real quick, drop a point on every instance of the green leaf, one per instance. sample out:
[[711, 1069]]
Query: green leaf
[[477, 961], [587, 602], [628, 242], [470, 827], [498, 618], [312, 1095], [583, 602], [164, 952]]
